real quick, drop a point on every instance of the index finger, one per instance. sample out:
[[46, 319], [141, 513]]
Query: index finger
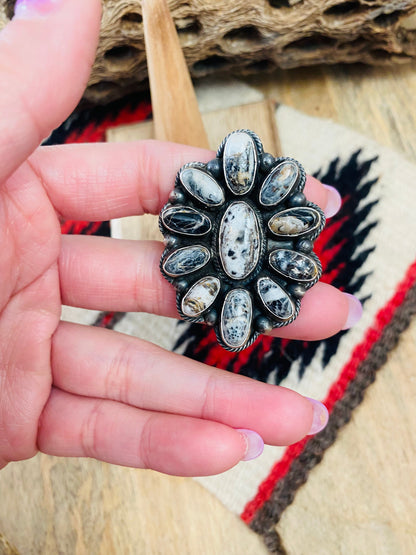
[[103, 181], [40, 53]]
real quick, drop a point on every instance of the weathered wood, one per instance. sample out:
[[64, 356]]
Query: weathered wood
[[6, 548], [246, 37], [176, 114]]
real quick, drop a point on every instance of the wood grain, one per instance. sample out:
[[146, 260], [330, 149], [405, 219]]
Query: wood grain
[[258, 115], [176, 115], [359, 500], [375, 101], [219, 36]]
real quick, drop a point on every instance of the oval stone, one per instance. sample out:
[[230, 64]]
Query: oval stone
[[186, 260], [240, 162], [200, 296], [295, 222], [239, 240], [236, 318], [202, 186], [294, 265], [275, 299], [186, 221], [279, 184]]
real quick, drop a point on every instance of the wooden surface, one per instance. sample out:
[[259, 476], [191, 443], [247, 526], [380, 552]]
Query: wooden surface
[[175, 108], [240, 36], [355, 502]]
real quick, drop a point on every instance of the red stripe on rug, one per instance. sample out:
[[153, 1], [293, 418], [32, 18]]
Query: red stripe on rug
[[96, 133], [383, 317], [76, 227]]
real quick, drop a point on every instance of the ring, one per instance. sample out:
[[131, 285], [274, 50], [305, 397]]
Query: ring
[[239, 235]]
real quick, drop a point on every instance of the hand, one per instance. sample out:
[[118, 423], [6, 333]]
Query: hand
[[72, 390]]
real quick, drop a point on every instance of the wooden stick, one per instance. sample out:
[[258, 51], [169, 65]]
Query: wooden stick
[[176, 114]]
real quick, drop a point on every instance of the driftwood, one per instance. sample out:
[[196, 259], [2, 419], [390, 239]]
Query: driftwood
[[247, 37]]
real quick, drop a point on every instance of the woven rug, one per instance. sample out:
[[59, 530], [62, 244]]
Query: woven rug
[[367, 249]]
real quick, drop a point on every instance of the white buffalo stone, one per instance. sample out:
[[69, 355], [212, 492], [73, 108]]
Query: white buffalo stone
[[200, 296], [186, 220], [240, 162], [294, 265], [236, 317], [186, 260], [279, 184], [275, 298], [202, 186], [239, 240], [295, 222]]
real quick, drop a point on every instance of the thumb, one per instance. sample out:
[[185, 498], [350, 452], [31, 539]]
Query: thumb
[[46, 53]]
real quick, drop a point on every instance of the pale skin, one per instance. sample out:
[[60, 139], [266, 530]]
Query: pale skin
[[71, 390]]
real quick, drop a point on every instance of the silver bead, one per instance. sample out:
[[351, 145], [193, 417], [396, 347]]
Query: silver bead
[[298, 199], [215, 167], [267, 161], [176, 197], [305, 245], [296, 290], [263, 324], [211, 318]]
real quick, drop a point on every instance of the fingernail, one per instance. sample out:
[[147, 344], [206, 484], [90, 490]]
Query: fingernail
[[334, 201], [27, 8], [320, 416], [355, 311], [254, 444]]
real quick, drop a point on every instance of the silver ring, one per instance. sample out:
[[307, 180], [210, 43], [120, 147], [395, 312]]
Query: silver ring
[[239, 236]]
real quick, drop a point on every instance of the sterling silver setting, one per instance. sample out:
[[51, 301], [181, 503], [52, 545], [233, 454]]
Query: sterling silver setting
[[239, 236]]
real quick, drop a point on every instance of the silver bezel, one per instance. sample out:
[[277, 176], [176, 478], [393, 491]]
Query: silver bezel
[[247, 335], [196, 269]]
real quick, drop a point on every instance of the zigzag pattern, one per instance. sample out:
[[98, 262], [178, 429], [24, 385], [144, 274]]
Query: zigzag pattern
[[340, 248]]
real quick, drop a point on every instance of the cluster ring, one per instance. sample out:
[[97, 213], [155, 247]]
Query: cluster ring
[[239, 236]]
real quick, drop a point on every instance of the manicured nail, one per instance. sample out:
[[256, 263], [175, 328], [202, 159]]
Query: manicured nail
[[320, 416], [28, 8], [254, 444], [355, 311], [334, 201]]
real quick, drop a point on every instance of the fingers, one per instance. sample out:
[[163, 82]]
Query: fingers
[[113, 274], [325, 311], [45, 62], [106, 181], [108, 274], [73, 426], [103, 364]]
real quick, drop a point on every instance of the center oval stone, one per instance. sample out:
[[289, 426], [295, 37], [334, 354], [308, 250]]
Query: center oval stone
[[239, 240]]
